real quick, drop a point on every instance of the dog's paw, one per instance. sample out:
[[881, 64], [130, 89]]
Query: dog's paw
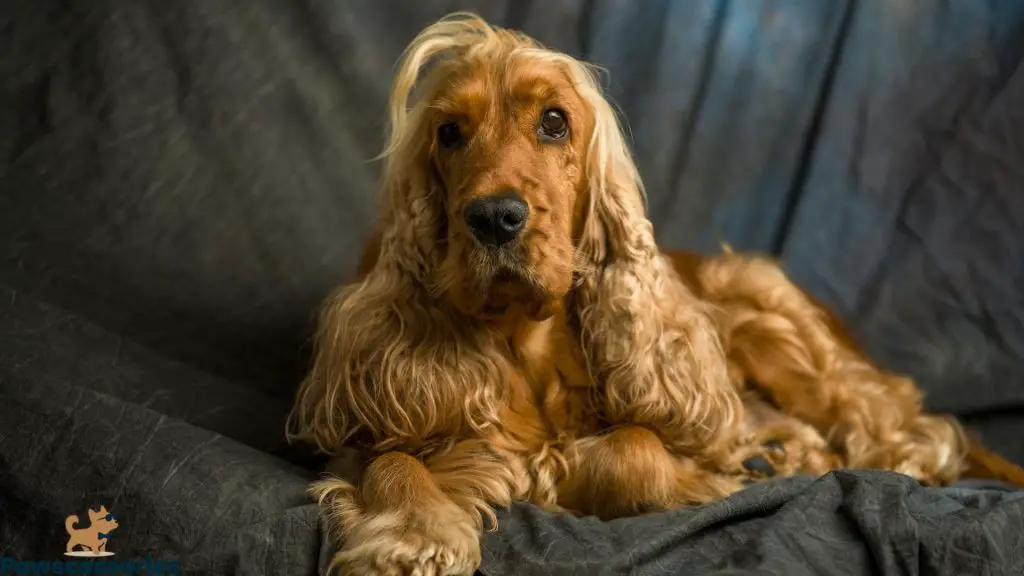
[[427, 542]]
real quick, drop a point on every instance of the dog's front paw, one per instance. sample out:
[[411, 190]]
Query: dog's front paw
[[437, 539], [413, 545]]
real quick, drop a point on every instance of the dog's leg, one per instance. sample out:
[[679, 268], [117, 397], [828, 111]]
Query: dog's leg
[[629, 471], [790, 347], [410, 516]]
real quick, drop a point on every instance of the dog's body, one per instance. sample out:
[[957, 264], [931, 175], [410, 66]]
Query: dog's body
[[93, 538], [515, 332]]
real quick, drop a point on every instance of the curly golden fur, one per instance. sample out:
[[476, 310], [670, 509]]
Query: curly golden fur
[[578, 366]]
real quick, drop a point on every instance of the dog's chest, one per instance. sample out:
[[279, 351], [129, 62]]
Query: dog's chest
[[552, 392]]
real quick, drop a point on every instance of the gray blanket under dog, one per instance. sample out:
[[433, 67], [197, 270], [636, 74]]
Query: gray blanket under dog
[[841, 523]]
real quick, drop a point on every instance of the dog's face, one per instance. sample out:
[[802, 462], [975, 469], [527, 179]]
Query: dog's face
[[507, 146], [102, 520]]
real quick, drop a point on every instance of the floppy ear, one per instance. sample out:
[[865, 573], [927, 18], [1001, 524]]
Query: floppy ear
[[650, 342], [392, 365]]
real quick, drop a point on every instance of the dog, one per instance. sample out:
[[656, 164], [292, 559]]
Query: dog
[[95, 537], [515, 333]]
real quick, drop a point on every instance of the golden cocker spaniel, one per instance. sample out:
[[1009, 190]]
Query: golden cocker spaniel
[[516, 333]]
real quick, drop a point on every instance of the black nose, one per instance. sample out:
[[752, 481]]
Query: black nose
[[496, 220]]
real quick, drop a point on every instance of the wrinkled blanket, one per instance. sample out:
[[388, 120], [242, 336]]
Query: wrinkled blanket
[[842, 523]]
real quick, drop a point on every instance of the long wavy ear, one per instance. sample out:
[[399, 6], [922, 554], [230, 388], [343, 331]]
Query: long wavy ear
[[392, 367], [649, 340]]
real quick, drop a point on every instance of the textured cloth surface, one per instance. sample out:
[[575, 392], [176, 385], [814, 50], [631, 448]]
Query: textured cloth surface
[[182, 182], [842, 523]]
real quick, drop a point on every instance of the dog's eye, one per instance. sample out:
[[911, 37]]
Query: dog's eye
[[553, 124], [449, 135]]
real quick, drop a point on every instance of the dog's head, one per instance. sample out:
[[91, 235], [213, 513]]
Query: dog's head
[[501, 162], [507, 187], [102, 520]]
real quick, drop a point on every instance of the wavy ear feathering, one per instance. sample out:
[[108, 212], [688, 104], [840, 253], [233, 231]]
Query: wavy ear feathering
[[394, 365], [650, 341]]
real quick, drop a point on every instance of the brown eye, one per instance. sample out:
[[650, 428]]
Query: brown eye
[[449, 135], [553, 125]]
